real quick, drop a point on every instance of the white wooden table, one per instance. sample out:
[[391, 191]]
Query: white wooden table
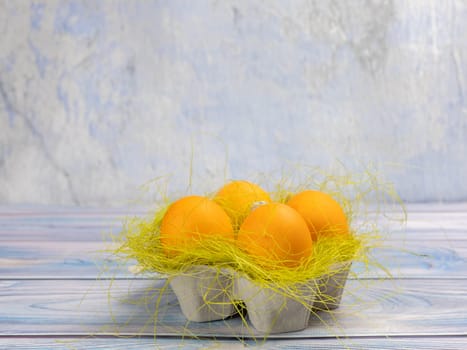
[[59, 289]]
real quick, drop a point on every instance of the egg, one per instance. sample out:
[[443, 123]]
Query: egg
[[191, 219], [323, 215], [277, 234], [237, 198]]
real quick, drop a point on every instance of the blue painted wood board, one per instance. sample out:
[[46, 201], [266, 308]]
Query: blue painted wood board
[[57, 282], [88, 259], [369, 308], [149, 343]]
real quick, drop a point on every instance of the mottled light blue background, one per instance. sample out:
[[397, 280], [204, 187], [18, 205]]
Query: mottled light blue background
[[98, 97]]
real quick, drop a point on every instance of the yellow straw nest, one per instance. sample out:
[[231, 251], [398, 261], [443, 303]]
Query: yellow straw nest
[[361, 198], [141, 241]]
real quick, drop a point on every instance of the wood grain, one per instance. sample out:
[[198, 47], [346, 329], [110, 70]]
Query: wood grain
[[89, 224], [57, 282], [91, 259], [149, 343], [369, 308], [72, 243]]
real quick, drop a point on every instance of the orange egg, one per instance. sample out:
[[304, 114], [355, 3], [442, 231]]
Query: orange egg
[[189, 220], [323, 215], [277, 234], [237, 198]]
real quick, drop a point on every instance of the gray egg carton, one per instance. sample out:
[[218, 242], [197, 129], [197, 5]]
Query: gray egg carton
[[204, 293], [207, 294]]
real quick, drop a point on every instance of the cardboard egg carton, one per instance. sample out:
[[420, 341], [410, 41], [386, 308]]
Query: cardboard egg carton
[[207, 294], [204, 293]]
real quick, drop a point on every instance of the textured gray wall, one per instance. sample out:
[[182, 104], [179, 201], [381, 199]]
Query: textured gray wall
[[97, 97]]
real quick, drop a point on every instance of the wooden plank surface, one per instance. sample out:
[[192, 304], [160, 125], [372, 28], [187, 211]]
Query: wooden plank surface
[[149, 343], [369, 308], [90, 259], [87, 224], [69, 243], [50, 259]]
